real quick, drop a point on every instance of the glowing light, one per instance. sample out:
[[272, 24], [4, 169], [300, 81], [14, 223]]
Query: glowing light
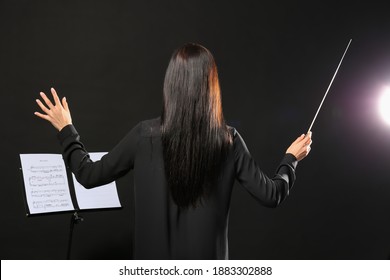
[[384, 105]]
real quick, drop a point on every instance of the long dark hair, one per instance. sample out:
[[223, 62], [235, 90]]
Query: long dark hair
[[195, 137]]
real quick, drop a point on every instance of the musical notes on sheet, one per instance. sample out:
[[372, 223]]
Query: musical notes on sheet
[[51, 204], [49, 180], [46, 183], [43, 169]]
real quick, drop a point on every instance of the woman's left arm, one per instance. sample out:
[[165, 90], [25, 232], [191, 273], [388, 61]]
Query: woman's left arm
[[90, 174]]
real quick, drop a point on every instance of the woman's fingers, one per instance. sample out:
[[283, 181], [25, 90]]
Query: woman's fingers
[[42, 106], [42, 116], [300, 148], [47, 100], [65, 104], [300, 138], [58, 114], [45, 117], [55, 97], [309, 141]]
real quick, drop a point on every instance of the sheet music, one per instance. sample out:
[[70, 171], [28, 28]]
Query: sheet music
[[100, 197], [46, 183]]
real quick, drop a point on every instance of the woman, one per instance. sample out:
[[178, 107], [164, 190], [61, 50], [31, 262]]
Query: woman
[[185, 163]]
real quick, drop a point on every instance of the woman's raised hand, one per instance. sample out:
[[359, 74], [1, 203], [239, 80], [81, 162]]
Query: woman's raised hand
[[58, 114], [300, 148]]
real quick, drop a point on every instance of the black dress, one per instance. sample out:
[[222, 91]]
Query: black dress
[[162, 230]]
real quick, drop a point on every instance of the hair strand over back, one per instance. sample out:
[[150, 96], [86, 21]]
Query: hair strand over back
[[195, 137]]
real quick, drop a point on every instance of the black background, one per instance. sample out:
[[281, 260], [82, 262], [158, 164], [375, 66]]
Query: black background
[[275, 59]]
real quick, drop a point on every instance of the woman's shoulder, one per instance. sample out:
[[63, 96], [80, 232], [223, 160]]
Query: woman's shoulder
[[232, 130], [238, 141], [150, 127]]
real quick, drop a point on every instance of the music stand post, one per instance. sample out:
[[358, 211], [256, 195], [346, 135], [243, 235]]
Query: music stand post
[[75, 219]]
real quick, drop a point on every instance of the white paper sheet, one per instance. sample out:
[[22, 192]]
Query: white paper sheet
[[46, 183], [100, 197]]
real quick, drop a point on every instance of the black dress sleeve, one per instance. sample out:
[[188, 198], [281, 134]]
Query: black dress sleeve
[[113, 165], [269, 192]]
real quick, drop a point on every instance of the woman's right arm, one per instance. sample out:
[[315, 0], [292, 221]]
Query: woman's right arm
[[268, 191]]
